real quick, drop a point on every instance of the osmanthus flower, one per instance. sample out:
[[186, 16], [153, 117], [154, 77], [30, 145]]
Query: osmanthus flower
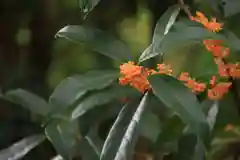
[[222, 67], [135, 76], [191, 83], [234, 70], [217, 91], [211, 25], [162, 69], [216, 48]]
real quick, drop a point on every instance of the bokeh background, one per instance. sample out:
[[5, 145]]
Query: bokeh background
[[33, 59]]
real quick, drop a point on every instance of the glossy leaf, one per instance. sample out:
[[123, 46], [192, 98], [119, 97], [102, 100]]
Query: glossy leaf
[[94, 140], [28, 100], [117, 131], [19, 149], [180, 99], [73, 88], [96, 40], [186, 36], [129, 139], [165, 23], [87, 5], [103, 97], [62, 136], [163, 26], [212, 115]]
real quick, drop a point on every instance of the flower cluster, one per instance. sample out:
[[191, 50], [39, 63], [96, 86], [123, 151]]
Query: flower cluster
[[136, 76], [212, 25]]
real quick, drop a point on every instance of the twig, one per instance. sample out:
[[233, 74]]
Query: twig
[[185, 8]]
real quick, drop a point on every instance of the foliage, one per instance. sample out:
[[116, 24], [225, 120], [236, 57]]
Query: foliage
[[136, 96]]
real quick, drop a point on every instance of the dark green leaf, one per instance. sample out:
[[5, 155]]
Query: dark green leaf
[[86, 151], [163, 26], [150, 126], [94, 140], [73, 88], [165, 23], [171, 130], [147, 54], [180, 99], [129, 139], [97, 41], [186, 147], [200, 151], [231, 7], [186, 36], [62, 135], [117, 131], [28, 100], [96, 115], [103, 97], [19, 149], [87, 5]]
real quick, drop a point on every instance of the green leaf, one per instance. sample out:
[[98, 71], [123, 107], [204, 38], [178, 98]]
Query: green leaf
[[150, 126], [86, 151], [212, 115], [129, 139], [171, 131], [163, 26], [165, 23], [103, 97], [117, 131], [94, 140], [19, 149], [73, 88], [96, 115], [147, 54], [180, 99], [87, 5], [28, 100], [97, 41], [231, 7], [186, 146], [62, 135], [186, 36]]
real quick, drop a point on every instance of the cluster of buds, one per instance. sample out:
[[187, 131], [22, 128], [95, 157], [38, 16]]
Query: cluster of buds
[[136, 76]]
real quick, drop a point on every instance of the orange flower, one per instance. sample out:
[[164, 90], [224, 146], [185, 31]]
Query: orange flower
[[222, 67], [212, 25], [215, 47], [213, 81], [234, 70], [184, 77], [219, 90], [135, 76], [164, 69], [191, 83]]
